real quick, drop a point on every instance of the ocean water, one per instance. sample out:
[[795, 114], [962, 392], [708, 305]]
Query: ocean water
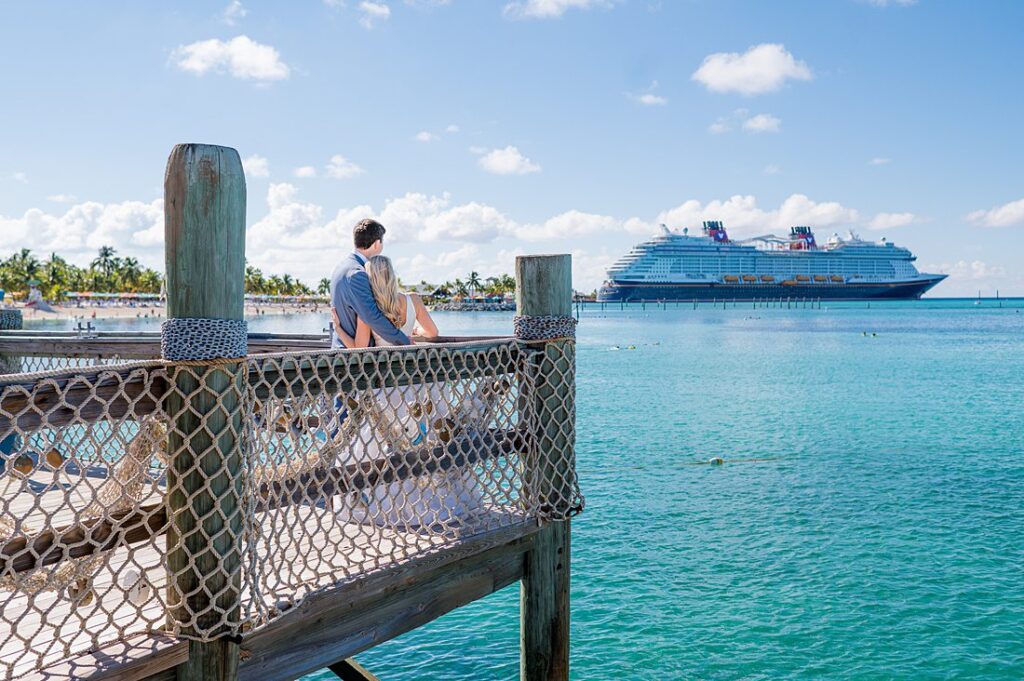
[[867, 521]]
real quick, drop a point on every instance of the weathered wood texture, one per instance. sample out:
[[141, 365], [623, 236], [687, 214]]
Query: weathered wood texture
[[204, 233], [146, 656], [350, 670], [544, 287], [338, 624]]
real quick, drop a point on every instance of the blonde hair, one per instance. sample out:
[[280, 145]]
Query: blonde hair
[[384, 285]]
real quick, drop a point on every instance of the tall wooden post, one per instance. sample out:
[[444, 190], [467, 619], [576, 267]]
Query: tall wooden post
[[544, 287], [204, 208]]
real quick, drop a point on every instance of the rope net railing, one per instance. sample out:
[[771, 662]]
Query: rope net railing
[[207, 498]]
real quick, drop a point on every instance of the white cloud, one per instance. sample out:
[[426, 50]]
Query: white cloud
[[508, 161], [256, 166], [762, 68], [19, 176], [892, 220], [452, 129], [1007, 215], [135, 228], [240, 57], [304, 172], [879, 161], [62, 198], [572, 223], [373, 12], [744, 218], [477, 150], [233, 13], [425, 136], [472, 221], [762, 123], [741, 118], [771, 169], [548, 9], [647, 97], [341, 168]]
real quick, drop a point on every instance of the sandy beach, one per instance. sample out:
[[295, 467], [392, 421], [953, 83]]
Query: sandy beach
[[101, 312]]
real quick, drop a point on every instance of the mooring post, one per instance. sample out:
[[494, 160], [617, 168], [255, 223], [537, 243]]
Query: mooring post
[[544, 287], [204, 210]]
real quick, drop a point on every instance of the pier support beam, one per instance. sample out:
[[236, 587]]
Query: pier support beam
[[544, 287], [204, 210]]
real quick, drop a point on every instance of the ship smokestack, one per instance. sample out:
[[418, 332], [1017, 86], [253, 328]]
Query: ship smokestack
[[715, 230]]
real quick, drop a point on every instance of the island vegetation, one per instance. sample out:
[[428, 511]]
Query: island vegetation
[[108, 272]]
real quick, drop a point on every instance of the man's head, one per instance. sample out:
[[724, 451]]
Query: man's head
[[368, 236]]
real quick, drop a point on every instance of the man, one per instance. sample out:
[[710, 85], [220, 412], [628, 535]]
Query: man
[[350, 288]]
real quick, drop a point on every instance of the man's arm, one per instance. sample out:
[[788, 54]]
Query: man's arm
[[367, 310]]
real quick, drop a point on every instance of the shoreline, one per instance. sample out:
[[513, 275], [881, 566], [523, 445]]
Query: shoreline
[[75, 313]]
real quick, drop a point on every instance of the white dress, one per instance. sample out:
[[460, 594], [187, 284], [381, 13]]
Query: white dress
[[410, 415]]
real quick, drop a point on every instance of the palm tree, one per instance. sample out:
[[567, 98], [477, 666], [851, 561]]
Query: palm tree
[[129, 273], [324, 287], [105, 261], [254, 281], [473, 282]]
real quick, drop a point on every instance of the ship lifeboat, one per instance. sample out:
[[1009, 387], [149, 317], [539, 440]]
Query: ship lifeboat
[[802, 278], [731, 279], [836, 278], [789, 282], [767, 277], [819, 277], [749, 278]]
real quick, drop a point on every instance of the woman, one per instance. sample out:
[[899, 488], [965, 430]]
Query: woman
[[402, 418], [405, 310]]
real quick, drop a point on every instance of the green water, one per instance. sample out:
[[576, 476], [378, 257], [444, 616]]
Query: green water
[[878, 534], [882, 537]]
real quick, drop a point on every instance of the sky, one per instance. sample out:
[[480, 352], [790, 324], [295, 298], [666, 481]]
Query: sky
[[479, 130]]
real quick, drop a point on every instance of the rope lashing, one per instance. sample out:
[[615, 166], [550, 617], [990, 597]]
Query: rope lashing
[[191, 339], [544, 327], [10, 320]]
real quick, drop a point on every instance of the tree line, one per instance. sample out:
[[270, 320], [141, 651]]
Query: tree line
[[110, 273]]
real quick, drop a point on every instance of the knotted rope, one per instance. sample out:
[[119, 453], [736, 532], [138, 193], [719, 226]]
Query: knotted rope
[[206, 341], [546, 328], [10, 319]]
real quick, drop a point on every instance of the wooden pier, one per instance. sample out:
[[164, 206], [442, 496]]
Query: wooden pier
[[262, 516]]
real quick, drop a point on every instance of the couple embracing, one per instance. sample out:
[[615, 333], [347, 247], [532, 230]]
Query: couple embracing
[[367, 305], [369, 309]]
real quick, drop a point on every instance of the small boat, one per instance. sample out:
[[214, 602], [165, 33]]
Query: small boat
[[749, 278], [802, 278], [731, 279], [789, 282], [837, 279], [767, 277], [819, 277]]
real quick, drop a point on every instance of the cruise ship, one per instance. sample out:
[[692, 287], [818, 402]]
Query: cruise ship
[[674, 266]]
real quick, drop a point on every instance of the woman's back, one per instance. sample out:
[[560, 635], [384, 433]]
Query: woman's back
[[410, 314]]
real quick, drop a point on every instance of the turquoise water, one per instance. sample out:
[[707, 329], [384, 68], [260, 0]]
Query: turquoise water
[[868, 521]]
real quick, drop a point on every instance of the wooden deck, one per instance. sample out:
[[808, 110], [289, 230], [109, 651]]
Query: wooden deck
[[319, 578]]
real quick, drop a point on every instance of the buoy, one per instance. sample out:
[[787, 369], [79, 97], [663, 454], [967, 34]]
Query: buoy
[[716, 461], [138, 587]]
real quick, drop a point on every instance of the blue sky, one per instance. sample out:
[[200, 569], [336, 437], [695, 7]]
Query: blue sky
[[479, 130]]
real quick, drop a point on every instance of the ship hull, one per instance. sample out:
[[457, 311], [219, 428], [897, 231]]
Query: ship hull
[[634, 292]]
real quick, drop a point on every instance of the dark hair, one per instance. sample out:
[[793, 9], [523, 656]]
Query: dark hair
[[367, 232]]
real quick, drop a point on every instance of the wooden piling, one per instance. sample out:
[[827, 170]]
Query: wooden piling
[[544, 287], [204, 208]]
